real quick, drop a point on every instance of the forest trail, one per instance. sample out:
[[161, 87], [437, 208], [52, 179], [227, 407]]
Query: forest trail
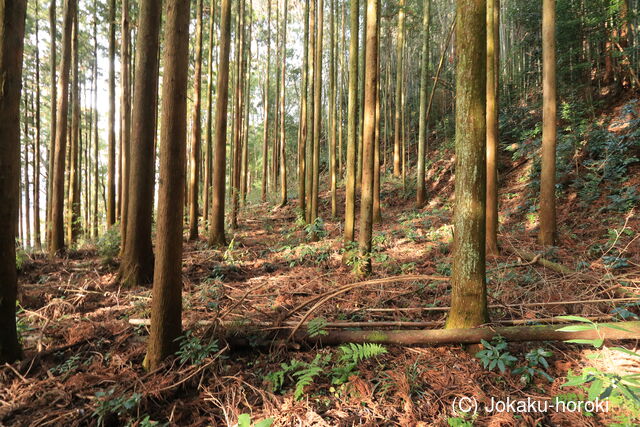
[[79, 342]]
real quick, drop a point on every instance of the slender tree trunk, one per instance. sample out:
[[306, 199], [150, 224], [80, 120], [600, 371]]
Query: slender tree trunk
[[340, 73], [125, 124], [547, 234], [12, 23], [216, 234], [493, 60], [111, 165], [53, 117], [237, 122], [397, 133], [310, 109], [303, 134], [96, 139], [73, 203], [36, 159], [196, 131], [208, 162], [26, 242], [56, 242], [276, 122], [352, 134], [377, 213], [317, 114], [283, 139], [137, 260], [369, 134], [265, 138], [423, 126], [332, 110], [166, 305], [468, 278]]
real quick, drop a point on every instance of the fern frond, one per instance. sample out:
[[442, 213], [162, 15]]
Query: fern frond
[[356, 353]]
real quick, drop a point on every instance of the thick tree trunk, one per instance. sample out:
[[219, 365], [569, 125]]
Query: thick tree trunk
[[56, 243], [166, 305], [196, 131], [547, 234], [369, 134], [493, 78], [377, 211], [111, 135], [308, 181], [216, 234], [468, 278], [423, 125], [137, 260], [73, 202], [397, 133], [352, 134], [12, 23], [125, 125]]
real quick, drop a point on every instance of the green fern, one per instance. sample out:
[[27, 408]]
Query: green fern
[[356, 353], [316, 326], [306, 375]]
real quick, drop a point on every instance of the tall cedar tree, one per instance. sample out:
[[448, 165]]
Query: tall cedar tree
[[136, 267], [303, 132], [468, 276], [36, 181], [208, 159], [397, 132], [547, 234], [308, 179], [283, 139], [332, 109], [369, 134], [493, 52], [216, 234], [352, 135], [421, 196], [125, 123], [12, 22], [166, 305], [52, 118], [73, 201], [237, 121], [56, 242], [111, 133], [317, 115], [265, 136], [196, 131]]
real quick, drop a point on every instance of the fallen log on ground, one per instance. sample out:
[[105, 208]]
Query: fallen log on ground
[[536, 258], [256, 335]]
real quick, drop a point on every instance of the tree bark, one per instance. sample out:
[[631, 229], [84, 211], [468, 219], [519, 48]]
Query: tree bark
[[196, 131], [493, 79], [333, 176], [265, 136], [56, 243], [208, 161], [238, 113], [216, 235], [12, 24], [369, 134], [283, 139], [53, 117], [136, 267], [111, 135], [73, 202], [423, 125], [125, 125], [36, 160], [352, 134], [310, 110], [317, 114], [547, 234], [96, 139], [166, 305], [302, 143], [468, 278], [397, 133]]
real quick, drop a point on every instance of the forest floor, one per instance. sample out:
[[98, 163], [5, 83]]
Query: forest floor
[[83, 356]]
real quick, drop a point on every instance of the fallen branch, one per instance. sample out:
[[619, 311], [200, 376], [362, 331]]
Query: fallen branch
[[530, 256]]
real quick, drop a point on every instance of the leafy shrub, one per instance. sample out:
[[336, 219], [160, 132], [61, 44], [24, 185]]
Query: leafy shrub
[[495, 354], [193, 351], [109, 244]]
